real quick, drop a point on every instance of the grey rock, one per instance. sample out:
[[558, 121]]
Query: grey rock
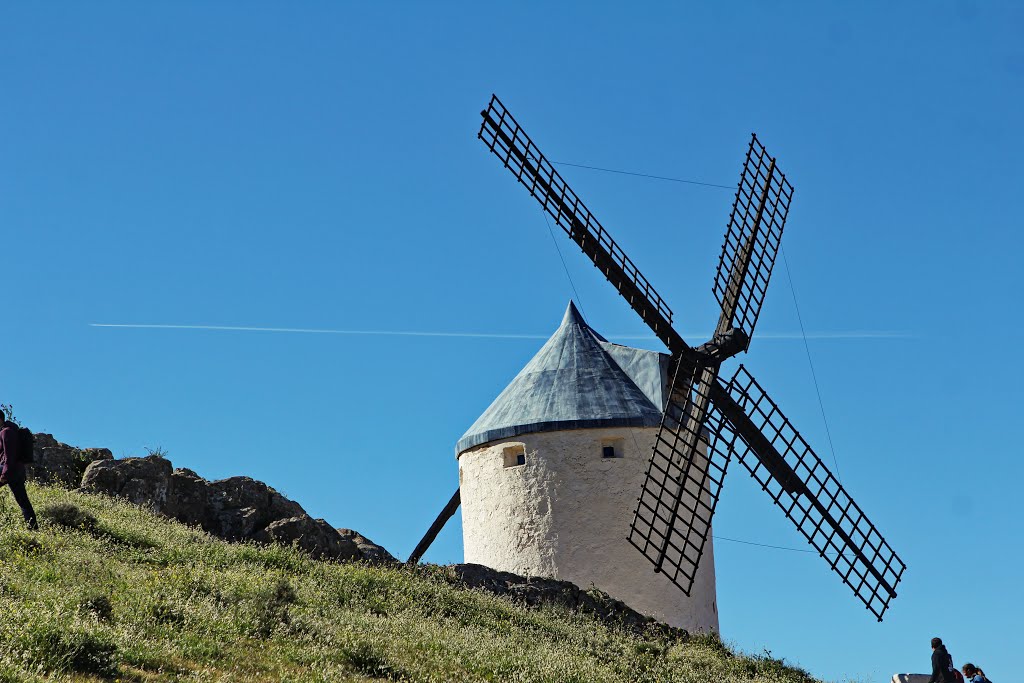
[[60, 464], [234, 509], [189, 501], [241, 506], [368, 550], [535, 591], [238, 524], [315, 536], [143, 481], [44, 440], [90, 455]]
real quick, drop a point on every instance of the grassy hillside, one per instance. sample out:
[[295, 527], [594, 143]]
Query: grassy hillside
[[107, 591]]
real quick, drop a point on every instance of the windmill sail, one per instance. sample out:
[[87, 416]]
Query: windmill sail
[[672, 521], [752, 239], [813, 499], [507, 140]]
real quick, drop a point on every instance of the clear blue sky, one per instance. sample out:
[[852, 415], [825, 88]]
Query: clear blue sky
[[316, 166]]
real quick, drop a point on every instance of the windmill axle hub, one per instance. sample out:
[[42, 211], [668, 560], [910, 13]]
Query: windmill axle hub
[[723, 346]]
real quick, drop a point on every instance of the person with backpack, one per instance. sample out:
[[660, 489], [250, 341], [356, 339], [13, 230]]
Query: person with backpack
[[974, 674], [16, 450], [943, 670]]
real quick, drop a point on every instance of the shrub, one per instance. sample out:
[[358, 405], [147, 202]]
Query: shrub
[[98, 605], [22, 543], [271, 609], [70, 516], [10, 677], [162, 611], [64, 649], [365, 659]]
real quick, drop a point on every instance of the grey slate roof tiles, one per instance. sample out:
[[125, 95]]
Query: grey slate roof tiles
[[576, 381]]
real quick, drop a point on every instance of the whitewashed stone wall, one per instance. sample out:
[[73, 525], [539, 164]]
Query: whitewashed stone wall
[[566, 513]]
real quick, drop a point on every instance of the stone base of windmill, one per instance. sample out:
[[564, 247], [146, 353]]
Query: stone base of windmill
[[551, 505]]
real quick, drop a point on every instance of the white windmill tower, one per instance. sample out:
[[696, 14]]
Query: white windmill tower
[[549, 474]]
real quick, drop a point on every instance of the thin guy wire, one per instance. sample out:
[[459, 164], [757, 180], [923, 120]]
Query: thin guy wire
[[765, 545], [560, 258], [645, 175], [814, 376]]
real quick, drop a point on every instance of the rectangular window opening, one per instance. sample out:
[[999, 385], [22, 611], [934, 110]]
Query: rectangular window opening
[[613, 448], [514, 455]]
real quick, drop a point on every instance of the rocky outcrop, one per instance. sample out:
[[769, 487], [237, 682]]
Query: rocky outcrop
[[234, 509], [368, 550], [315, 536], [536, 591], [61, 464]]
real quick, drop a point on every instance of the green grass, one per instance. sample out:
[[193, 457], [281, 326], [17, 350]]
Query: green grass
[[108, 591]]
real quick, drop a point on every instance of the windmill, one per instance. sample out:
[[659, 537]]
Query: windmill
[[707, 421]]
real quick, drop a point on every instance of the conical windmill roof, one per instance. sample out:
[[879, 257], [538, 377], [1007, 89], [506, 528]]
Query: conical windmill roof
[[576, 381]]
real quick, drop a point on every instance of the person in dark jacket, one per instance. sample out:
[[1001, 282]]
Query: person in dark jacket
[[12, 471], [942, 664]]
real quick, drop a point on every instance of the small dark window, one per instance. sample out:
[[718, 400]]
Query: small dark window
[[514, 455], [613, 448]]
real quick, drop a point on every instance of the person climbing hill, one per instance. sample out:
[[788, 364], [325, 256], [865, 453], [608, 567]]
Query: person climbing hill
[[12, 465]]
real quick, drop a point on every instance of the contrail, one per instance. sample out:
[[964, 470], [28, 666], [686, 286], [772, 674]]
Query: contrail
[[305, 330], [856, 334], [852, 334]]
